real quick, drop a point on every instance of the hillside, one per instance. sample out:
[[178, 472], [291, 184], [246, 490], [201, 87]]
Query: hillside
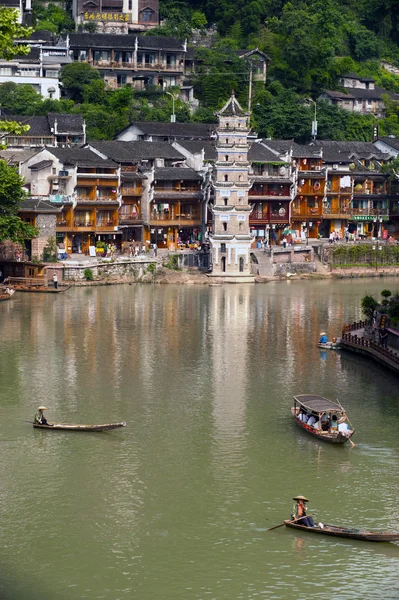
[[311, 43]]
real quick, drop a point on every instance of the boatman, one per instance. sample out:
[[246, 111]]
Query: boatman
[[40, 419], [300, 511], [323, 338]]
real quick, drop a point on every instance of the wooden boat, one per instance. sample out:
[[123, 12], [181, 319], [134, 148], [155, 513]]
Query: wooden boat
[[318, 406], [5, 294], [331, 345], [65, 427], [347, 532], [42, 289]]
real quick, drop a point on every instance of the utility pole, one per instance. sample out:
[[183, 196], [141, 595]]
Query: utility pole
[[251, 66], [172, 116]]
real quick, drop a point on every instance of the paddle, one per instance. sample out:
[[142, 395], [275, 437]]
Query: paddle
[[294, 521]]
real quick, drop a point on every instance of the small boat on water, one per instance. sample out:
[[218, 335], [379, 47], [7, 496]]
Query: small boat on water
[[66, 427], [6, 293], [335, 344], [322, 418], [347, 532]]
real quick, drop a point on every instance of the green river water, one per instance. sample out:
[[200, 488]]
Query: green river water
[[176, 506]]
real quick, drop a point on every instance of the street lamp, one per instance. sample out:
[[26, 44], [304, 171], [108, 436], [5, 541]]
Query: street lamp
[[172, 116], [314, 122]]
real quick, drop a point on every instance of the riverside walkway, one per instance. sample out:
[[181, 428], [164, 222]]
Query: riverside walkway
[[355, 339]]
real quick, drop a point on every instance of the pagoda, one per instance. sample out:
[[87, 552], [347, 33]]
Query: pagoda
[[231, 239]]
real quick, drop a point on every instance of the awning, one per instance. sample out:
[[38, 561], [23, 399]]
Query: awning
[[318, 403]]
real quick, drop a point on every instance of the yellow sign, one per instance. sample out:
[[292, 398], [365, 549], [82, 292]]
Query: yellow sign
[[97, 16]]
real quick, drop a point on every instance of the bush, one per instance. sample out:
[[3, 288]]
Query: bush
[[152, 268], [88, 275], [173, 262]]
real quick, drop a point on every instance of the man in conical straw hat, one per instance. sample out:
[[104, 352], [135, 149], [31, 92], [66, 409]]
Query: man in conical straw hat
[[40, 419]]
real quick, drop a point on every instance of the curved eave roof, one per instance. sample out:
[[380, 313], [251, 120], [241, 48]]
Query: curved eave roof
[[318, 403]]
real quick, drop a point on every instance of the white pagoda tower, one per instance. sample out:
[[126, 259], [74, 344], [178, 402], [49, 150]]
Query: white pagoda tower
[[230, 239]]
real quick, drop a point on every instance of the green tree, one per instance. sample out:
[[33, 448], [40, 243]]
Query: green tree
[[369, 305], [11, 196], [75, 76], [19, 99], [11, 30]]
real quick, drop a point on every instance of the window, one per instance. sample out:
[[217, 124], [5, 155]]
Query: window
[[121, 79], [226, 157], [240, 225], [50, 73], [130, 5], [241, 264], [223, 248], [224, 226], [146, 15], [225, 201], [5, 71], [226, 177]]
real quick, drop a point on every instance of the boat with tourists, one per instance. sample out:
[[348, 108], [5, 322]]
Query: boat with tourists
[[322, 418], [346, 532]]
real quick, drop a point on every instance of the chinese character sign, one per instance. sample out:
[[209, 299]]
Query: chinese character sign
[[105, 16]]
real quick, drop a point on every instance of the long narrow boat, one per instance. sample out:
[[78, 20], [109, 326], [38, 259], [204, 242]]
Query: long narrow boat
[[66, 427], [347, 532], [307, 405]]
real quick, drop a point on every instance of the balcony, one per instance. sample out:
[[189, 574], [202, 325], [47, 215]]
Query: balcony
[[106, 225], [368, 190], [304, 211], [192, 219], [131, 191], [87, 226], [339, 190], [374, 212]]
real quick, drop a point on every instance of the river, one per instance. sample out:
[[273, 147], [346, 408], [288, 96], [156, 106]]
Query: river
[[176, 506]]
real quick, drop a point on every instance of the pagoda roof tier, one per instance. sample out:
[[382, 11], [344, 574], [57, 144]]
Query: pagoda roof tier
[[232, 108]]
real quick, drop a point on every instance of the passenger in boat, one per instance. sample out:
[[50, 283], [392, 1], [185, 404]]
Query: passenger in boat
[[311, 420], [344, 429], [323, 338], [40, 419], [300, 511], [334, 424], [325, 422], [303, 417]]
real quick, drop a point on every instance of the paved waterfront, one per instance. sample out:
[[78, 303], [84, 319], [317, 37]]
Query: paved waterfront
[[176, 506]]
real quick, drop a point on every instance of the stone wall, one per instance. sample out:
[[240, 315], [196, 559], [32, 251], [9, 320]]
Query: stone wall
[[46, 224], [133, 270]]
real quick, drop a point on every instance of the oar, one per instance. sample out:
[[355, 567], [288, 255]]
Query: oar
[[294, 521]]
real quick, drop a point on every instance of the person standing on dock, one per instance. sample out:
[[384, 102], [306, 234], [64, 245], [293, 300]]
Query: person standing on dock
[[384, 337], [55, 281]]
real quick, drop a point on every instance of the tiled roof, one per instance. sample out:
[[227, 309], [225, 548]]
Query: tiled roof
[[186, 130], [66, 123], [196, 147], [110, 40], [81, 157], [279, 146], [43, 164], [357, 77], [38, 125], [336, 152], [15, 157], [338, 95], [258, 153], [10, 3], [173, 173], [36, 205], [131, 176], [243, 53], [41, 126], [135, 151], [390, 141], [232, 108]]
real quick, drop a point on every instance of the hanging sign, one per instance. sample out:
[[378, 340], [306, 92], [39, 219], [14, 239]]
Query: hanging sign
[[225, 217], [240, 217]]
